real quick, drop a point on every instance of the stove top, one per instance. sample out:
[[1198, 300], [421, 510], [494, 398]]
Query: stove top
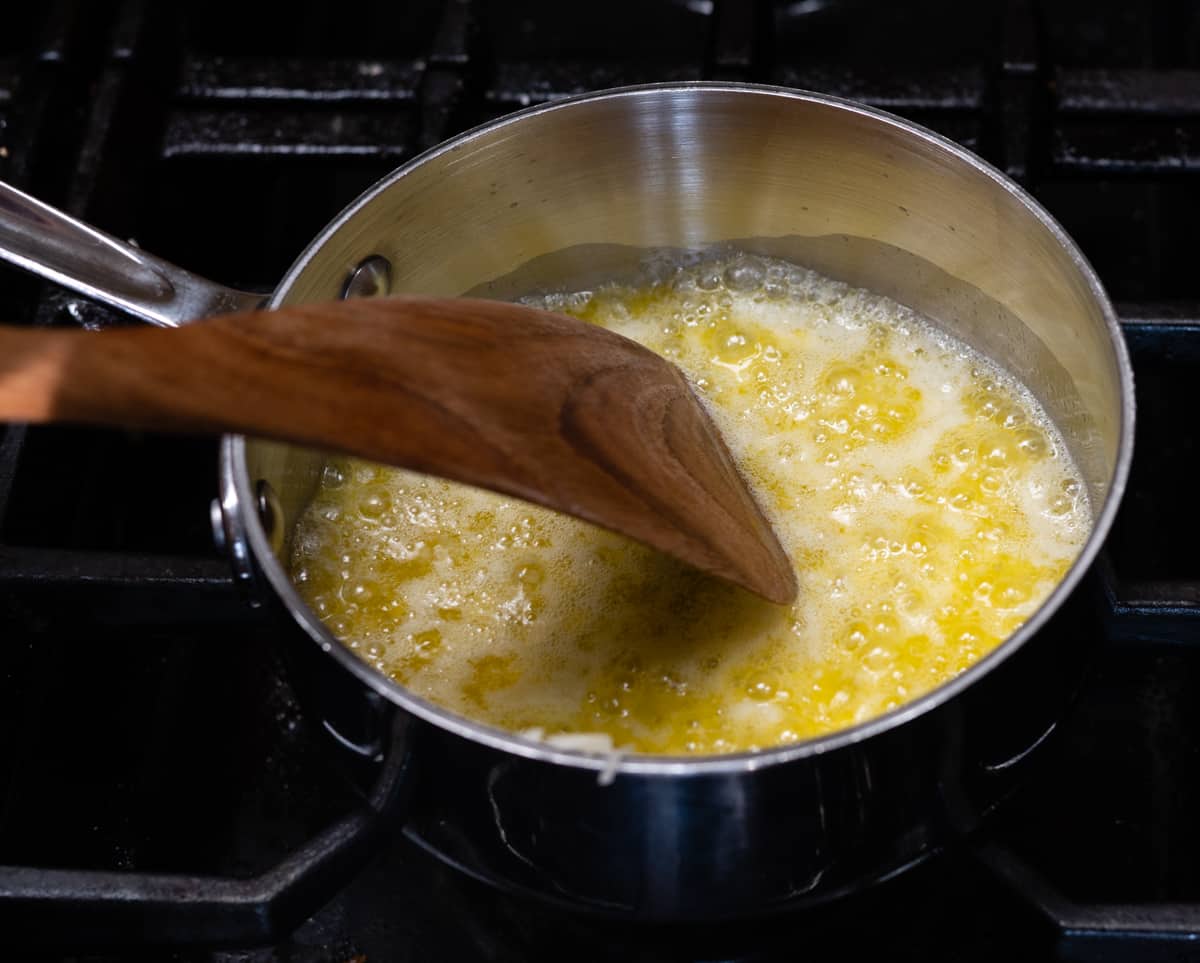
[[223, 136]]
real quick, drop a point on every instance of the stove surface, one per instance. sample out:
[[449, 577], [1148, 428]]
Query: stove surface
[[146, 726]]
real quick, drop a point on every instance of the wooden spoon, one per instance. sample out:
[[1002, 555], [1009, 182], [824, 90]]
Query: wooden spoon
[[521, 401]]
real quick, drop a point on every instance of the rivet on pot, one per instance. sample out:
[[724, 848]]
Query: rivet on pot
[[216, 518], [371, 279], [270, 513]]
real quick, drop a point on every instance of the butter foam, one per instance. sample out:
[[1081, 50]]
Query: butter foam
[[927, 502]]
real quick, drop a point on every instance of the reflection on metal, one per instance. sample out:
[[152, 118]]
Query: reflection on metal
[[1092, 931], [1016, 758]]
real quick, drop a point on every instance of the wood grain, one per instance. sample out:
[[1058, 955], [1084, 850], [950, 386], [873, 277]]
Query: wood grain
[[506, 397]]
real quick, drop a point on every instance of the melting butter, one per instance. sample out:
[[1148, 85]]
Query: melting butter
[[926, 501]]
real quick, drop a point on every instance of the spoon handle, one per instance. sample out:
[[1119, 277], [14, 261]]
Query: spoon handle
[[207, 378], [76, 376], [32, 362], [500, 396]]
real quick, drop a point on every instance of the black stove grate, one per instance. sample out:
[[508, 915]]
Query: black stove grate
[[223, 136]]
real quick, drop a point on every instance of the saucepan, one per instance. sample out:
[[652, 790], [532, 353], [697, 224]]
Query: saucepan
[[582, 189]]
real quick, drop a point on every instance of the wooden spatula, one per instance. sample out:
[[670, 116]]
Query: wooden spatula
[[521, 401]]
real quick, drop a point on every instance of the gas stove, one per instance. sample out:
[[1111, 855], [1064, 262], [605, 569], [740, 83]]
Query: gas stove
[[158, 784]]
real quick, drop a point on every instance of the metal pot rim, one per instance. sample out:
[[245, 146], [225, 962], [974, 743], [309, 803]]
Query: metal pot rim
[[238, 495]]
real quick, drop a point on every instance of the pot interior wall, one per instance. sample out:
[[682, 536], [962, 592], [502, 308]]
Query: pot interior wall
[[583, 190]]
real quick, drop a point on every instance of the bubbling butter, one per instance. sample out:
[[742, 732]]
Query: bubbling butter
[[926, 501]]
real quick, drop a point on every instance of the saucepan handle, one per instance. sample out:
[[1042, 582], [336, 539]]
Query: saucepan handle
[[52, 244]]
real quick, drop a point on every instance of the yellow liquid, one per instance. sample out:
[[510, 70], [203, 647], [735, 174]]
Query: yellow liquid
[[926, 502]]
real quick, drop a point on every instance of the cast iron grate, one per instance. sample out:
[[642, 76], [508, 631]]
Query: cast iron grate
[[223, 136]]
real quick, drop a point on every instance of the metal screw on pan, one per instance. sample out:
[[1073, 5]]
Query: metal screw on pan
[[270, 513], [216, 518], [371, 279]]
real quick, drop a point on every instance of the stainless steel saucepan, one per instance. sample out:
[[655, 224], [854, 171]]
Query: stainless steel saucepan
[[582, 189]]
